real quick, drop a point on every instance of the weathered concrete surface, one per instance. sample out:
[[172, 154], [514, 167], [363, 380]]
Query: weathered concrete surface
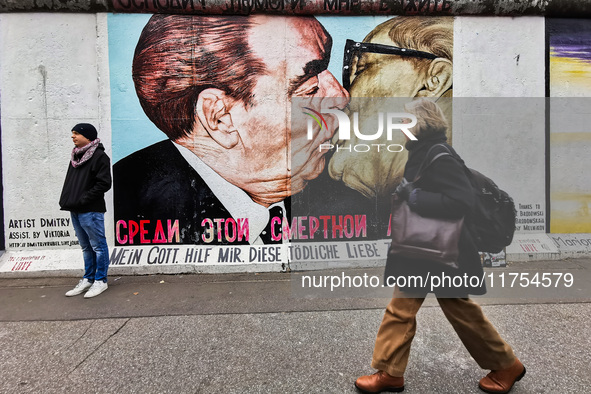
[[254, 337], [55, 5], [556, 8]]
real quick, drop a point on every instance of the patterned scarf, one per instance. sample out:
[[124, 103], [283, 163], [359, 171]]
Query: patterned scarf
[[86, 152]]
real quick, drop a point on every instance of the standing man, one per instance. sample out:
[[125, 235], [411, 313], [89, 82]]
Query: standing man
[[83, 194]]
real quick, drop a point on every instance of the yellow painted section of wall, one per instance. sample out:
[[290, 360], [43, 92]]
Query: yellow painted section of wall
[[569, 138], [571, 213], [570, 210], [569, 77]]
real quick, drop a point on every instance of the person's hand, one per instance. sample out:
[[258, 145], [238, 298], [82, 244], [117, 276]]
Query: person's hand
[[404, 189]]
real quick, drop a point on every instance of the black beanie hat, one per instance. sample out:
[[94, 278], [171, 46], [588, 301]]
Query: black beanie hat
[[86, 129]]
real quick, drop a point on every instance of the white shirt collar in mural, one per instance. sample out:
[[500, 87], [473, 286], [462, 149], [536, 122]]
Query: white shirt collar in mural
[[236, 200]]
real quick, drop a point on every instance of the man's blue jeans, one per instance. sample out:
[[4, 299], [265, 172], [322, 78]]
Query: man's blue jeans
[[90, 230]]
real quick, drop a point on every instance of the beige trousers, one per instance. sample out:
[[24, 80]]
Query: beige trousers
[[398, 327]]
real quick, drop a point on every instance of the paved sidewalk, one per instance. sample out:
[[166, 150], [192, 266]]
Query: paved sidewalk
[[248, 333]]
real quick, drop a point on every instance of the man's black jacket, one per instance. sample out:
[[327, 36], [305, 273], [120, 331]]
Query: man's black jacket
[[85, 186]]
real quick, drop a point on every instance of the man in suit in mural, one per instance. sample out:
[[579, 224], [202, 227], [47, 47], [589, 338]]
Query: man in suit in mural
[[220, 88], [399, 60], [405, 57]]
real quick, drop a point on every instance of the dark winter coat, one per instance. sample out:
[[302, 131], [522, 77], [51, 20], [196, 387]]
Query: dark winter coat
[[85, 186], [444, 191]]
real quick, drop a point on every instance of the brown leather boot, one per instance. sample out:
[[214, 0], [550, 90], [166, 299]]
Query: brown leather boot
[[502, 380], [378, 382]]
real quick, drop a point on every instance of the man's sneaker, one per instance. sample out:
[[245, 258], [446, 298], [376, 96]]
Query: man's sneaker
[[97, 288], [80, 288]]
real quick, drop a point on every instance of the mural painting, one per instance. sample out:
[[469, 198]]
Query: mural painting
[[570, 137], [233, 171], [229, 160]]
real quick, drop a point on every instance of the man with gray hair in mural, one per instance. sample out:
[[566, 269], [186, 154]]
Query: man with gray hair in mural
[[404, 57], [401, 59], [221, 89]]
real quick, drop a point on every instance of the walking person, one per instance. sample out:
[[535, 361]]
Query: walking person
[[443, 191], [87, 180]]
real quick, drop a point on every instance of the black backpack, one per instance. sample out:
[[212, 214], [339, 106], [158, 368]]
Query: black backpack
[[492, 220]]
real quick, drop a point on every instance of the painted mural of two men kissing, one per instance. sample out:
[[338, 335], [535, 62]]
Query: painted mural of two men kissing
[[220, 88]]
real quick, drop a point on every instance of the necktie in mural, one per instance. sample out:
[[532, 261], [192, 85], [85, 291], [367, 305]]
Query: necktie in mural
[[273, 226]]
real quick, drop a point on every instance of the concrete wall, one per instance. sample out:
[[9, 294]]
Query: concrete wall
[[57, 70]]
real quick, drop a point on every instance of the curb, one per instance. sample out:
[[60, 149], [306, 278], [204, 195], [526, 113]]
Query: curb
[[69, 262]]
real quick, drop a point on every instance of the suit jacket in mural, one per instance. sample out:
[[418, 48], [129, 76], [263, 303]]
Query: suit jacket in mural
[[158, 186]]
